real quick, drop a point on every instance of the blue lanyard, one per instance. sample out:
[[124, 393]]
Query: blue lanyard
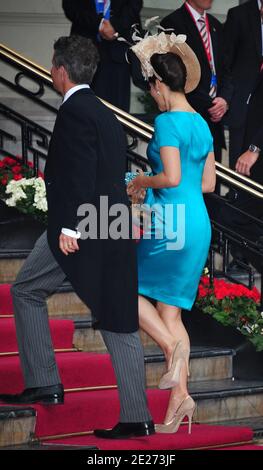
[[103, 8]]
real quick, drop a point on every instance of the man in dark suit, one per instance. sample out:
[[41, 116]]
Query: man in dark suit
[[86, 163], [250, 163], [243, 58], [112, 80], [204, 36]]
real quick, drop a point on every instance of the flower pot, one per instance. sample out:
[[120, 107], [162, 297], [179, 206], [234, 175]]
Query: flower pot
[[18, 231], [204, 330], [247, 362]]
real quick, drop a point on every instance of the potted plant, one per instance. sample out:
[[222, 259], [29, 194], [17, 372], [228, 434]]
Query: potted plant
[[23, 211], [229, 315]]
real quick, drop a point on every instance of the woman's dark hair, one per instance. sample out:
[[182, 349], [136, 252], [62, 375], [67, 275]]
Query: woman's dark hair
[[78, 55], [171, 69]]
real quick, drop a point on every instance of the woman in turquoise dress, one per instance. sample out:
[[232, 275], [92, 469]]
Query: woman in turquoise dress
[[170, 265]]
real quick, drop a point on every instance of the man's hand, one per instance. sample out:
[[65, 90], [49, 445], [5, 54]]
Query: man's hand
[[218, 110], [107, 31], [245, 162], [68, 244]]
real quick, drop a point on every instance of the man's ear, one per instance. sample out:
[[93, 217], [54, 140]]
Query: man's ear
[[64, 74]]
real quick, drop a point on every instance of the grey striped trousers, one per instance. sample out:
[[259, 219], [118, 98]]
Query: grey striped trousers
[[38, 279]]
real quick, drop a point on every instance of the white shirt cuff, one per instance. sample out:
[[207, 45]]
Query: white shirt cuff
[[71, 233]]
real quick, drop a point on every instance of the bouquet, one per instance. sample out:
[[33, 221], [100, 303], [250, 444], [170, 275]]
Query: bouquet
[[20, 189], [233, 305], [11, 169]]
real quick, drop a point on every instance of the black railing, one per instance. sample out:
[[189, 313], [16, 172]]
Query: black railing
[[35, 140]]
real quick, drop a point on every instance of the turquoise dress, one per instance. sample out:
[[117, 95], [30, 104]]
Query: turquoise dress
[[174, 250]]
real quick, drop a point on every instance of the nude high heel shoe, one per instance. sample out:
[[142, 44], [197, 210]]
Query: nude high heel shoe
[[179, 358], [186, 408]]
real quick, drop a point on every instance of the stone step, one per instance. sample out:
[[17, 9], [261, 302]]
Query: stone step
[[221, 400], [9, 269], [65, 303], [205, 364], [255, 423], [17, 425], [87, 339], [224, 402]]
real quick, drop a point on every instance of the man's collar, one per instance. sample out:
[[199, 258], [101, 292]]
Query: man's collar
[[73, 90], [195, 13]]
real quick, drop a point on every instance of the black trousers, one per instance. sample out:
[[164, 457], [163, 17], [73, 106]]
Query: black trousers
[[112, 83]]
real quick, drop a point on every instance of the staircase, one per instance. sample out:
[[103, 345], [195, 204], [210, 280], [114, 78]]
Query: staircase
[[226, 408]]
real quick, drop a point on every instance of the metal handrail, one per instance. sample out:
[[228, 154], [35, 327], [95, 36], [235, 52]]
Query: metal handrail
[[134, 124]]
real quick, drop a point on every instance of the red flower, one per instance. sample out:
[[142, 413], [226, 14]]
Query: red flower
[[18, 177], [9, 161], [4, 181], [16, 169], [223, 289], [2, 164], [202, 291], [205, 280]]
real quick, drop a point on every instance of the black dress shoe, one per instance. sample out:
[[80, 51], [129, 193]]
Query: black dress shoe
[[126, 430], [51, 395]]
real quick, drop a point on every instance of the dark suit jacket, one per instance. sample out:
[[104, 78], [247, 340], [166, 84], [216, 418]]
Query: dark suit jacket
[[243, 56], [182, 23], [85, 21], [86, 160], [254, 127], [112, 79], [244, 201]]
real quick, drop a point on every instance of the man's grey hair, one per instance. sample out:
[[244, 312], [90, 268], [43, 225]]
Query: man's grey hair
[[78, 55]]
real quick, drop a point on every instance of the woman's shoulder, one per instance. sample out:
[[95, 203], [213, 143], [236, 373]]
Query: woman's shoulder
[[166, 118]]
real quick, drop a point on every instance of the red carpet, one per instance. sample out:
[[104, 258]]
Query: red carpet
[[202, 436], [84, 411], [6, 303], [61, 332], [77, 369], [88, 410]]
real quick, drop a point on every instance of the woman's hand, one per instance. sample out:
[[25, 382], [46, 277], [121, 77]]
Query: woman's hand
[[138, 198], [137, 185]]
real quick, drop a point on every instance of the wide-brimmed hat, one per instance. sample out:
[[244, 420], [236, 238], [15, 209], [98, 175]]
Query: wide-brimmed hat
[[161, 44]]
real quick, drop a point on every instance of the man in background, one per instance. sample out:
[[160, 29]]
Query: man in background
[[103, 21], [243, 50], [250, 164], [205, 36]]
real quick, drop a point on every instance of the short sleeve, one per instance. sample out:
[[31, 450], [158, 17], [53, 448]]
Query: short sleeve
[[166, 132]]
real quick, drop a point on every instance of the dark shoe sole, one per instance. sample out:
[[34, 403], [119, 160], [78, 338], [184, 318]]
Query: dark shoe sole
[[129, 436], [56, 401], [40, 401]]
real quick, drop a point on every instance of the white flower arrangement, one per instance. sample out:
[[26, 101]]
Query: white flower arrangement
[[28, 196]]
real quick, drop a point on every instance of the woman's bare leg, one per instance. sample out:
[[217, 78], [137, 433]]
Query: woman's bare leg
[[154, 326], [171, 317]]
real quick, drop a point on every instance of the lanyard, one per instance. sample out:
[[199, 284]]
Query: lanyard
[[208, 50], [103, 8]]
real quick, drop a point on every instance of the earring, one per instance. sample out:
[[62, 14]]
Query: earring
[[158, 93]]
